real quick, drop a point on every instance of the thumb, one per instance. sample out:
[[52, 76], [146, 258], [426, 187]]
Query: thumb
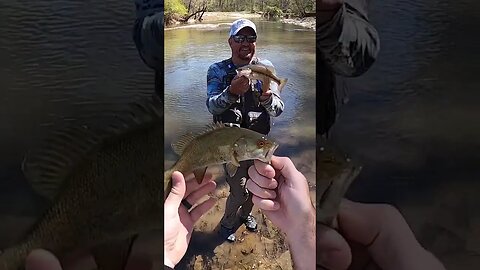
[[40, 259], [178, 189], [285, 167], [382, 229]]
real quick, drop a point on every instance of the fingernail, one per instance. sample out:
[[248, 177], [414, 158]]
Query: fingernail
[[273, 184]]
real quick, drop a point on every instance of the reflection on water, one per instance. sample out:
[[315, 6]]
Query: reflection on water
[[60, 61], [412, 121], [189, 51]]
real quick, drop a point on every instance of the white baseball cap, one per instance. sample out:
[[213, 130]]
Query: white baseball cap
[[239, 24]]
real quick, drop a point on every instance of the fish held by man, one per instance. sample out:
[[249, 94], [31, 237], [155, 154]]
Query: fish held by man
[[263, 73], [103, 183], [218, 144], [335, 173]]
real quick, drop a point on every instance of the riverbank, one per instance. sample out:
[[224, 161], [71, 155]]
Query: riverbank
[[308, 22]]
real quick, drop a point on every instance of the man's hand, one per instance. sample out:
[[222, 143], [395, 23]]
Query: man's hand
[[372, 235], [240, 85], [179, 220], [282, 192]]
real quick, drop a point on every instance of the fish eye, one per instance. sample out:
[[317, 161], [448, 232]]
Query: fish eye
[[260, 144]]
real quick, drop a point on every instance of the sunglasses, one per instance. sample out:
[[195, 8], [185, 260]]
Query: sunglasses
[[242, 38]]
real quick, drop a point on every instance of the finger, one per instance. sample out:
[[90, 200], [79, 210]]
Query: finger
[[261, 180], [285, 166], [80, 259], [333, 252], [199, 210], [381, 228], [40, 259], [178, 189], [265, 204], [193, 185], [264, 169], [260, 192], [202, 191]]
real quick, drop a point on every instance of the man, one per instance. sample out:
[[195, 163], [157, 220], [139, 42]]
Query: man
[[148, 37], [347, 45], [234, 99]]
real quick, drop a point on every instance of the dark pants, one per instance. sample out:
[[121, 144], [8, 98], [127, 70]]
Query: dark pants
[[239, 196]]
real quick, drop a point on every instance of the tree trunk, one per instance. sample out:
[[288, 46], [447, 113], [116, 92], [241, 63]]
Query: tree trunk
[[185, 19], [189, 5]]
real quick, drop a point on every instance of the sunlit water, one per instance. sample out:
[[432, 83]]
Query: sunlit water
[[191, 50]]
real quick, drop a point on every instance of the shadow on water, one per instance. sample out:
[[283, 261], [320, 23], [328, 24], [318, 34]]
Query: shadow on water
[[412, 123]]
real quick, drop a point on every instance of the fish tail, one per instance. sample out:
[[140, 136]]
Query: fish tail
[[283, 82]]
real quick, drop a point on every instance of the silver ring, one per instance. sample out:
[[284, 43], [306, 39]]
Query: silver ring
[[186, 204]]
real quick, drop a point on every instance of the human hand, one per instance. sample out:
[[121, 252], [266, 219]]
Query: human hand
[[179, 220], [239, 85], [282, 192], [40, 259], [371, 235], [265, 95]]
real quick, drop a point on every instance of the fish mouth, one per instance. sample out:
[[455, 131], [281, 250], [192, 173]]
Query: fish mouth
[[269, 154]]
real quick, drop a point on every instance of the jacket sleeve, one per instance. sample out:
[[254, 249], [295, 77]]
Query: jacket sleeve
[[274, 105], [219, 98], [348, 42], [148, 32]]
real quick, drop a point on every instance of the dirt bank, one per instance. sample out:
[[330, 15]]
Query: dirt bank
[[265, 249]]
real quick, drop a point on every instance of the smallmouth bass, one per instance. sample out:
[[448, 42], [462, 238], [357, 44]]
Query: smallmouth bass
[[104, 185], [263, 73], [218, 144]]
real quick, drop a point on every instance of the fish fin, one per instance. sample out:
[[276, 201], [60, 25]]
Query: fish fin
[[146, 111], [232, 165], [270, 68], [179, 146], [199, 174], [215, 125], [283, 82], [231, 169], [113, 255], [47, 166], [234, 159]]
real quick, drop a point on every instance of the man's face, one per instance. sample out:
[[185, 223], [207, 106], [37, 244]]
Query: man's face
[[243, 49]]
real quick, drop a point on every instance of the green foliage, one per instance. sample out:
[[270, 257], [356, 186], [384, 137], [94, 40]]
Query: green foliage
[[272, 12], [174, 7]]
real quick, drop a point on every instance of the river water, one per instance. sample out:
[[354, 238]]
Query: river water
[[413, 121], [189, 51]]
